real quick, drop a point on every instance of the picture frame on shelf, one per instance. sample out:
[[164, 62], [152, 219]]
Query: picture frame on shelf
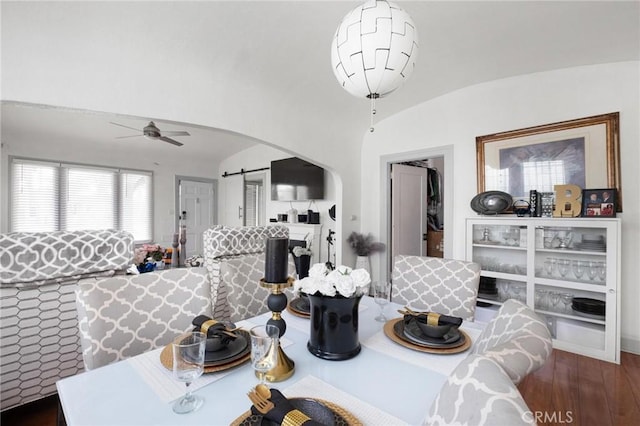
[[599, 202], [583, 152]]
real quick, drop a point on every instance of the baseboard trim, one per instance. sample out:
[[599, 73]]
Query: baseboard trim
[[630, 345]]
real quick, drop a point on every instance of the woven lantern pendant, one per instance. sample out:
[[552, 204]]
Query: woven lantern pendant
[[374, 50]]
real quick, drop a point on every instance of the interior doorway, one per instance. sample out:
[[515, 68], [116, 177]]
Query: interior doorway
[[196, 210], [416, 213]]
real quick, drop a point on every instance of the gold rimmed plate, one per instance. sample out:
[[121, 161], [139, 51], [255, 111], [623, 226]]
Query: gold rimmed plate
[[299, 308], [319, 410], [394, 330], [166, 356]]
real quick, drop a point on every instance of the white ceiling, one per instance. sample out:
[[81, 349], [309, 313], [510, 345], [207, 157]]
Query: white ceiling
[[261, 69]]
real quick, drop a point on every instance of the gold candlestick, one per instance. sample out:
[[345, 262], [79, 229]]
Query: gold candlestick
[[277, 302]]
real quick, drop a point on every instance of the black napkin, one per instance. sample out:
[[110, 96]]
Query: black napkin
[[281, 407], [442, 319], [215, 330]]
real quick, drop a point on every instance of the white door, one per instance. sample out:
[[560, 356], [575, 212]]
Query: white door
[[197, 207], [408, 210], [233, 208]]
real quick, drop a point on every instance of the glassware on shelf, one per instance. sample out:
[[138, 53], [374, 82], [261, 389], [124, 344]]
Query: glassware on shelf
[[511, 237], [565, 240], [550, 266], [602, 271], [563, 267], [554, 299], [592, 270], [567, 300], [578, 268], [519, 291], [504, 290], [541, 299]]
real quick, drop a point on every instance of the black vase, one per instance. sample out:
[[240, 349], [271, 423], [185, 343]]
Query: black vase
[[302, 265], [333, 333]]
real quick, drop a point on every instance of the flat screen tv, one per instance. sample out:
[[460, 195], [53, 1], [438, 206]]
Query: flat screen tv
[[293, 179]]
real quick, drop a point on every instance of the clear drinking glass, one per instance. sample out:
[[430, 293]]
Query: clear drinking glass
[[602, 271], [188, 365], [567, 300], [578, 268], [563, 267], [592, 270], [550, 266], [381, 290], [264, 349]]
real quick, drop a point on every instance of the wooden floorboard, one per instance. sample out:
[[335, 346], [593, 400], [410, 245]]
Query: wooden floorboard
[[568, 390]]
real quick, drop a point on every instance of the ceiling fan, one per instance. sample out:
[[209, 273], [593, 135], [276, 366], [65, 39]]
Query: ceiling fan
[[150, 131]]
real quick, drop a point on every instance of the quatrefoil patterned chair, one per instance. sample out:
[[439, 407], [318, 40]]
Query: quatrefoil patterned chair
[[127, 315], [445, 286], [517, 339], [478, 392], [235, 260]]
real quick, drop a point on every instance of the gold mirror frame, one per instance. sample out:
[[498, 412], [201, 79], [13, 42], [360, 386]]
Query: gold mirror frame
[[601, 140]]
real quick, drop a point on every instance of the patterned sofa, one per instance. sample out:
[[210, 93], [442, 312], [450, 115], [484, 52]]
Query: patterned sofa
[[39, 273]]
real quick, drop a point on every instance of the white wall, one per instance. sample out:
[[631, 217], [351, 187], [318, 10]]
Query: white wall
[[261, 156], [457, 118], [159, 161]]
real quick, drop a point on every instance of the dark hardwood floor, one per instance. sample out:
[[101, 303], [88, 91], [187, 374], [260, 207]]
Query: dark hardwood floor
[[569, 390]]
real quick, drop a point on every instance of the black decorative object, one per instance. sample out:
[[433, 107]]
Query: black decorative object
[[302, 263], [276, 265], [521, 208], [333, 333], [491, 202]]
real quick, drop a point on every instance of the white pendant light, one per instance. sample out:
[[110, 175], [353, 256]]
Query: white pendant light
[[374, 49]]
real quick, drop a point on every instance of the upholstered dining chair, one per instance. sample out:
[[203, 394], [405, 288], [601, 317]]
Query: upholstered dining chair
[[235, 260], [478, 392], [446, 286], [127, 315], [517, 339]]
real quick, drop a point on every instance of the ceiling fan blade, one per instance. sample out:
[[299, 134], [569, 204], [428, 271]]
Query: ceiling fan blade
[[166, 139], [176, 133], [122, 125], [131, 136]]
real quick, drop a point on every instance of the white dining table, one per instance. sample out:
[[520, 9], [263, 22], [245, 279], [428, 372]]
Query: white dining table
[[385, 384]]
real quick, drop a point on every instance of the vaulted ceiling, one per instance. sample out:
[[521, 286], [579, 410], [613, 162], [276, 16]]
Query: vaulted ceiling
[[242, 72]]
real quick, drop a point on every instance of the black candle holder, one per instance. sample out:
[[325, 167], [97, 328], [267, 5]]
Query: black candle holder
[[277, 302]]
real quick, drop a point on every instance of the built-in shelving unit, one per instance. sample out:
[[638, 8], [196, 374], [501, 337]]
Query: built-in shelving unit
[[548, 263]]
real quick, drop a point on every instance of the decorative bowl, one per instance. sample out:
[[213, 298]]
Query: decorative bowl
[[436, 331], [491, 202]]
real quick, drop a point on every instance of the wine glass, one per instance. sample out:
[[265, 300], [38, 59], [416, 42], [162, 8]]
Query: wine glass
[[567, 299], [188, 365], [578, 268], [381, 292], [602, 271], [264, 349], [563, 267], [550, 266], [554, 298], [592, 270]]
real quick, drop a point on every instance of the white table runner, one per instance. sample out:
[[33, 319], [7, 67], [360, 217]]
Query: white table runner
[[161, 380], [312, 387], [443, 364]]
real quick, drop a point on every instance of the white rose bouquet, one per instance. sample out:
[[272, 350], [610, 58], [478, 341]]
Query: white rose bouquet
[[342, 281]]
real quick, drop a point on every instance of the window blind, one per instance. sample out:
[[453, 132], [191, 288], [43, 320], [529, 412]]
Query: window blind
[[88, 198], [136, 204], [34, 197], [49, 196]]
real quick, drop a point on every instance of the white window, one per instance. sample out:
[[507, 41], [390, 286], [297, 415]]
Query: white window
[[49, 196]]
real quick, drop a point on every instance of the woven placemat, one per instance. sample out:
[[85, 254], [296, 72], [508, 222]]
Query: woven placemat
[[390, 333], [346, 415]]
